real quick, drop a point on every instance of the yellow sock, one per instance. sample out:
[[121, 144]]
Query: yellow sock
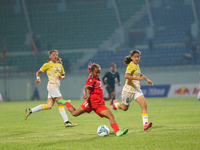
[[60, 107], [44, 106], [117, 105]]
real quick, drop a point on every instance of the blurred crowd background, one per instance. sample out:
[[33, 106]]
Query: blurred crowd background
[[102, 31]]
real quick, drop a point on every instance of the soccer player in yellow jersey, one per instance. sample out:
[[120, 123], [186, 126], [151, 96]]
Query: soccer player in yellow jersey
[[131, 89], [55, 73]]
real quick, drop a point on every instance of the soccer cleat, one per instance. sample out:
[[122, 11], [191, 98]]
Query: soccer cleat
[[114, 107], [27, 113], [62, 101], [122, 132], [70, 124], [147, 125]]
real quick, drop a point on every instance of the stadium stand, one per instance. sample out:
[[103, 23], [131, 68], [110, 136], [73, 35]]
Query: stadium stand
[[82, 25], [169, 48], [85, 24], [159, 57], [172, 19]]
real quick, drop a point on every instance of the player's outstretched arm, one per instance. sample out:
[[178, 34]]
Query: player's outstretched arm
[[85, 96], [150, 82], [38, 76]]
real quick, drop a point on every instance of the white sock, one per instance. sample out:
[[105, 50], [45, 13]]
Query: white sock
[[37, 108], [144, 118], [63, 113], [116, 104]]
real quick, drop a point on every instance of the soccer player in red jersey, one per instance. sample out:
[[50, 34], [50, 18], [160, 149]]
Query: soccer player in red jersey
[[95, 101]]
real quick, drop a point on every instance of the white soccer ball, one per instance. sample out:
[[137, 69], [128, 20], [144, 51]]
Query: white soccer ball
[[103, 130]]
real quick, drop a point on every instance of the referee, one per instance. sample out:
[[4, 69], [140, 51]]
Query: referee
[[109, 80]]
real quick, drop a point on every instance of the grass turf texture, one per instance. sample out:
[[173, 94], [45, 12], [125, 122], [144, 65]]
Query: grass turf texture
[[176, 125]]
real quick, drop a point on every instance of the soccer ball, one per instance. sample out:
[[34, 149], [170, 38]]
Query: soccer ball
[[103, 130]]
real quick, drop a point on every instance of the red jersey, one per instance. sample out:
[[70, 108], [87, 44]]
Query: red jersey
[[95, 101], [95, 86]]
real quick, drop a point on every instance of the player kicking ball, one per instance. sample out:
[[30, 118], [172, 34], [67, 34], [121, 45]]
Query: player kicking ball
[[95, 101]]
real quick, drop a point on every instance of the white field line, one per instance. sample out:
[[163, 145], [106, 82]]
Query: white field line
[[130, 131]]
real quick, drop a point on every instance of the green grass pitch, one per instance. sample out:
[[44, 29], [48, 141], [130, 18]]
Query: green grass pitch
[[176, 126]]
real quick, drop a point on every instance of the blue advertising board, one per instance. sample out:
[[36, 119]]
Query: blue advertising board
[[156, 90]]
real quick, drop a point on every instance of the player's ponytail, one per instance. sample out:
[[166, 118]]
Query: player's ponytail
[[127, 60], [59, 60], [90, 66]]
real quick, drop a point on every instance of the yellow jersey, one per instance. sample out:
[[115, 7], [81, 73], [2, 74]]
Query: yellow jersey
[[132, 85], [53, 71]]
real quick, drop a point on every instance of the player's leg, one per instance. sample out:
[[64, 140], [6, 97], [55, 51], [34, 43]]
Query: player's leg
[[54, 91], [107, 98], [63, 113], [75, 112], [121, 106], [50, 103], [126, 101], [142, 102], [108, 114], [113, 96], [198, 97], [111, 92]]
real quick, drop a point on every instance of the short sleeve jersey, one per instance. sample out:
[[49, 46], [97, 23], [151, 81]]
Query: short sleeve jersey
[[53, 71], [95, 86], [132, 85], [111, 78]]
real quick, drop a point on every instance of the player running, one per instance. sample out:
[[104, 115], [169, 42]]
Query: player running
[[131, 89], [55, 73]]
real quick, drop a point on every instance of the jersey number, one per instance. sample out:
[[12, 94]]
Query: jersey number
[[85, 104], [127, 100]]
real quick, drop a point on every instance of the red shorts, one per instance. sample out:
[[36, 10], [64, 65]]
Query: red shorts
[[96, 108]]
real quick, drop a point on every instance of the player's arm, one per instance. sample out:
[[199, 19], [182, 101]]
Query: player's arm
[[118, 79], [62, 76], [42, 69], [62, 73], [148, 81], [131, 68], [104, 79], [128, 76], [85, 96], [38, 76]]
